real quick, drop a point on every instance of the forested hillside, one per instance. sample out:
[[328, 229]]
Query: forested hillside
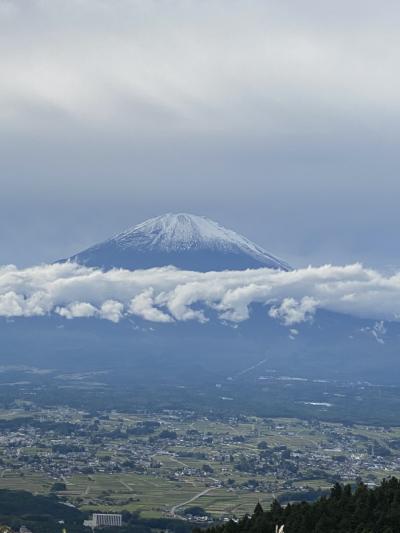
[[362, 510]]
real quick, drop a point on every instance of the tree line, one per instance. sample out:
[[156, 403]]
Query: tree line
[[344, 510]]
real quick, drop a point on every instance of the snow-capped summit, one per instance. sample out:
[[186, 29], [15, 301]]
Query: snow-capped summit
[[183, 240]]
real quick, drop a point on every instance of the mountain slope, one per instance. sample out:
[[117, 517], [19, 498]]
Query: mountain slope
[[333, 346], [186, 241]]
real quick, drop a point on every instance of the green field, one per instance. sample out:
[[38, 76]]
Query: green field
[[167, 475], [151, 496]]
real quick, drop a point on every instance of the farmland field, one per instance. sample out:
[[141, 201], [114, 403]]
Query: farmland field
[[160, 464]]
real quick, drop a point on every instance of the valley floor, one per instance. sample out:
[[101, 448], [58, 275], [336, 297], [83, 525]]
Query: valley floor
[[162, 463]]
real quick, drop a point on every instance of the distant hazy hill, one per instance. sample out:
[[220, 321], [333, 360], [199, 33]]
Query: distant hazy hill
[[186, 241], [333, 346]]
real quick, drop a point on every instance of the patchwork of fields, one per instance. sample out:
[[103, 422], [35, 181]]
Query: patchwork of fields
[[160, 464]]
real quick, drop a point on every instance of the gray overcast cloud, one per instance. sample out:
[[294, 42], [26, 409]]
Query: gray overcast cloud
[[278, 119]]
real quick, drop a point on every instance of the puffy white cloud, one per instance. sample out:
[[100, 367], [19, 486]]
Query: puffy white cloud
[[111, 310], [292, 312], [168, 295], [11, 304], [143, 305], [77, 310]]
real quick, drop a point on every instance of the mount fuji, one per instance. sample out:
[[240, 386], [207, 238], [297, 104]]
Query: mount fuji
[[177, 357], [182, 240]]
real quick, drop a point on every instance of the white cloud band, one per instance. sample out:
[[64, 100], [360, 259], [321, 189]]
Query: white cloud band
[[167, 294]]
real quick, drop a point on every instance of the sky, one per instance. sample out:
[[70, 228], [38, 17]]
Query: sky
[[277, 119]]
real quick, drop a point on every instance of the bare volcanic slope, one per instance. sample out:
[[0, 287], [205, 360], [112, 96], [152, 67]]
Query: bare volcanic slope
[[183, 240]]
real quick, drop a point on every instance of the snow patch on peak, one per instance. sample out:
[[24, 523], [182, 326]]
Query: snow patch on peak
[[188, 242], [174, 232]]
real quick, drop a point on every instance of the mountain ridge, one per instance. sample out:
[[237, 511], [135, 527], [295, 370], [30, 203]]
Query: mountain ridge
[[183, 240]]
